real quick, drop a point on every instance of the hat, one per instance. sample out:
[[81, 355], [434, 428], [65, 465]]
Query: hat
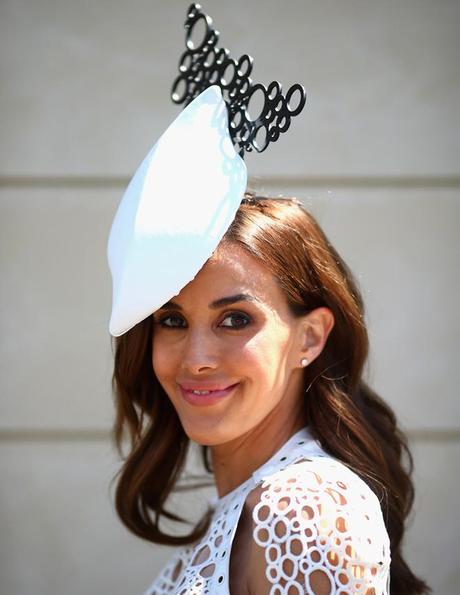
[[185, 193], [175, 210]]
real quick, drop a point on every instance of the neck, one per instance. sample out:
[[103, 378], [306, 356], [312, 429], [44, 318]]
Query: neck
[[234, 462]]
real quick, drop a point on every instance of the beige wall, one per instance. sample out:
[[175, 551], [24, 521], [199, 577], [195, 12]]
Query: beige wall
[[85, 92]]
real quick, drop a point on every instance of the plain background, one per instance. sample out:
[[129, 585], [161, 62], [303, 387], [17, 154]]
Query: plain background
[[375, 155]]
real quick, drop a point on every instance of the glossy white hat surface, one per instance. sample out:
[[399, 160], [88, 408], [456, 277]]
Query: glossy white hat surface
[[176, 209]]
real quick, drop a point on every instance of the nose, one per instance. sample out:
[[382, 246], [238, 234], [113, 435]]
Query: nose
[[201, 352]]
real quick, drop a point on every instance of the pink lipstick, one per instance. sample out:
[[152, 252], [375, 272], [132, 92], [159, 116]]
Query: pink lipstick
[[205, 394]]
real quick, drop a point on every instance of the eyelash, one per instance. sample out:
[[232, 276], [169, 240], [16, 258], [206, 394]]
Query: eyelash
[[162, 321]]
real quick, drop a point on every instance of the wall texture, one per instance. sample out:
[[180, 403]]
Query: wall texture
[[85, 92]]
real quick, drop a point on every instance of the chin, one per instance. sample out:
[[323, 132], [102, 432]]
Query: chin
[[205, 438], [208, 434]]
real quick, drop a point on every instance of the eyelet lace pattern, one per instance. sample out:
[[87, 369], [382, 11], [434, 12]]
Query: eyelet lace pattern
[[318, 524]]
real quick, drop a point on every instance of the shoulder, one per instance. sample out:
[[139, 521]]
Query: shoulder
[[316, 526]]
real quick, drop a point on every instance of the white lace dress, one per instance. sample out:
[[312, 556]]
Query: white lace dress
[[313, 517]]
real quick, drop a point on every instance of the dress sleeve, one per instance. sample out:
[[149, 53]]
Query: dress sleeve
[[318, 529]]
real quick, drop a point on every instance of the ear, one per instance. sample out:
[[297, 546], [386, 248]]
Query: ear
[[315, 329]]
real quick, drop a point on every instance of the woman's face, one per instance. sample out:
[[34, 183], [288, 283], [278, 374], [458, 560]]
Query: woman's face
[[226, 349]]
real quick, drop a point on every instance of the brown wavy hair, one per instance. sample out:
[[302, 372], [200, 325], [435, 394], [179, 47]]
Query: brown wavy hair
[[349, 419]]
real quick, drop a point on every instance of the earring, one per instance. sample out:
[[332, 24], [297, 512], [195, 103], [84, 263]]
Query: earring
[[304, 362]]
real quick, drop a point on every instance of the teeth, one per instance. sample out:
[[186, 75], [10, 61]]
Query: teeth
[[201, 392]]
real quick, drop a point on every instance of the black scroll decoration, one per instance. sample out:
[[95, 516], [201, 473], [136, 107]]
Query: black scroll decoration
[[204, 64]]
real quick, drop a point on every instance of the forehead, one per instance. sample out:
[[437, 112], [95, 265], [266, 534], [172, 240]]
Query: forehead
[[232, 270]]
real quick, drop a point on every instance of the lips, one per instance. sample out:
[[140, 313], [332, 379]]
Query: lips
[[206, 394]]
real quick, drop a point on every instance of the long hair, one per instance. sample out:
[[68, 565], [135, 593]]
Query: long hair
[[349, 419]]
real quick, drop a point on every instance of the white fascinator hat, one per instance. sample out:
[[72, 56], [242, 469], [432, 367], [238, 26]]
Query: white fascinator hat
[[186, 192]]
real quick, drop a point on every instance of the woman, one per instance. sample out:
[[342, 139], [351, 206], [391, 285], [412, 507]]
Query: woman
[[259, 359]]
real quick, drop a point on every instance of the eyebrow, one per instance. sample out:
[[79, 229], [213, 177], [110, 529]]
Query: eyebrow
[[224, 301]]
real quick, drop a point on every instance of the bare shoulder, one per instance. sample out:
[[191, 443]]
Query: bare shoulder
[[314, 527]]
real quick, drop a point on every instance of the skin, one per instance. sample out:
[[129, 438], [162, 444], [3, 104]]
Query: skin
[[257, 344]]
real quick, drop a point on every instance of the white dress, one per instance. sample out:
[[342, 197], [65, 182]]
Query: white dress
[[313, 515]]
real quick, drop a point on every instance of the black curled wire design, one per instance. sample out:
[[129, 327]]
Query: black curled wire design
[[257, 114]]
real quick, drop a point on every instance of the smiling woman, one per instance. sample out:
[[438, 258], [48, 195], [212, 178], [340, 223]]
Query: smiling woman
[[259, 359], [230, 333], [238, 327]]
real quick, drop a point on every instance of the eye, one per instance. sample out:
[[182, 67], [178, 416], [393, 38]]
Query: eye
[[172, 321], [235, 320]]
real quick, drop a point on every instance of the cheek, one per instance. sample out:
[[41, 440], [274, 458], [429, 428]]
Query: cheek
[[266, 353], [163, 359]]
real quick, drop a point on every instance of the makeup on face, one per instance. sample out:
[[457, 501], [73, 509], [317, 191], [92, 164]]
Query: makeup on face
[[225, 348]]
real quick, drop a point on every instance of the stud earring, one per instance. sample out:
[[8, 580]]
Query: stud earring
[[304, 362]]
